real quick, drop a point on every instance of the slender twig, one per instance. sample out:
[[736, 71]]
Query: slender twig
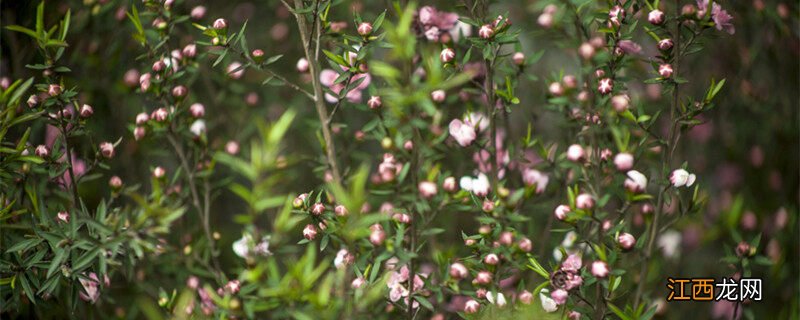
[[319, 102]]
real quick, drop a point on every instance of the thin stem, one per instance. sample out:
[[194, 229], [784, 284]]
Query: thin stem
[[73, 181], [319, 102]]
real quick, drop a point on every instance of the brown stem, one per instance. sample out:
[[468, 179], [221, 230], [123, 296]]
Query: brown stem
[[319, 102], [73, 181]]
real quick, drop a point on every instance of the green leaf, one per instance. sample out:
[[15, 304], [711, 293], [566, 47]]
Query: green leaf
[[24, 245], [619, 312], [61, 255]]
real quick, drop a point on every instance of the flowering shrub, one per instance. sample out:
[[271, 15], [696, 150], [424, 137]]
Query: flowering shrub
[[480, 159]]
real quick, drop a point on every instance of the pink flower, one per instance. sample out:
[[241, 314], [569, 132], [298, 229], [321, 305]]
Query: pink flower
[[463, 134], [559, 296], [235, 70], [197, 110], [629, 47], [317, 208], [159, 172], [486, 31], [232, 147], [447, 55], [63, 216], [302, 65], [310, 232], [586, 51], [623, 161], [665, 44], [107, 150], [600, 269], [681, 177], [138, 133], [364, 29], [483, 278], [86, 111], [488, 206], [573, 263], [620, 102], [427, 189], [665, 70], [491, 259], [54, 90], [449, 184], [584, 201], [555, 89], [576, 153], [374, 102], [91, 290], [115, 182], [357, 283], [561, 212], [533, 177], [220, 24], [198, 12], [626, 241], [142, 118], [616, 15], [160, 115], [605, 86], [471, 307], [656, 17], [525, 244], [377, 236], [438, 96], [144, 82], [458, 271], [526, 297], [340, 210], [42, 151]]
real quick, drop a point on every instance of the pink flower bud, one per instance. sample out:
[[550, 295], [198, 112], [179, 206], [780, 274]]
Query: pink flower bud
[[575, 153], [620, 102], [138, 133], [302, 65], [545, 20], [447, 55], [233, 286], [491, 259], [449, 184], [190, 50], [605, 86], [115, 182], [616, 15], [63, 216], [647, 208], [570, 81], [605, 154], [486, 31], [179, 91], [483, 278], [600, 269], [160, 115], [54, 90], [144, 82], [458, 271], [665, 44], [525, 297], [310, 232], [584, 201], [374, 102], [665, 70], [340, 210], [159, 172], [555, 89], [193, 283], [636, 181], [656, 17], [365, 29], [376, 237], [469, 242], [525, 244], [559, 296], [623, 161], [197, 110], [232, 147], [506, 238], [33, 100], [471, 306], [626, 241], [743, 249], [257, 55], [235, 70], [408, 145], [299, 201], [518, 58], [317, 208], [438, 96], [357, 283], [107, 150], [586, 51], [488, 206], [42, 151], [198, 12], [402, 218], [220, 24], [561, 212], [427, 189], [86, 111], [159, 66]]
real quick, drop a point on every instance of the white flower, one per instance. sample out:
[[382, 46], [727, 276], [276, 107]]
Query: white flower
[[500, 301], [477, 119], [534, 177], [461, 27], [548, 304], [463, 133], [343, 258], [198, 127], [479, 185], [397, 291], [242, 246], [636, 182], [681, 177], [262, 248], [670, 242], [569, 239]]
